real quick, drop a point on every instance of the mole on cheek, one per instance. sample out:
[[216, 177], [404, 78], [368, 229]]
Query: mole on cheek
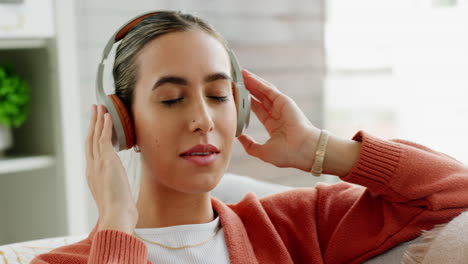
[[157, 143]]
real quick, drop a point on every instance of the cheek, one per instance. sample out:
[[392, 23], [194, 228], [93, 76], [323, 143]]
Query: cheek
[[152, 128], [230, 118], [158, 142]]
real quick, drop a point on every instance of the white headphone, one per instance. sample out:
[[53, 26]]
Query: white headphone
[[123, 135]]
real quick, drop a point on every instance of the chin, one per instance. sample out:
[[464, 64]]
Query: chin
[[201, 183]]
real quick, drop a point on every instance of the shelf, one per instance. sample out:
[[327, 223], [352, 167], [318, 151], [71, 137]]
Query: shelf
[[19, 164], [33, 43]]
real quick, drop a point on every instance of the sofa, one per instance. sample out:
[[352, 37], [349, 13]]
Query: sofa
[[231, 189]]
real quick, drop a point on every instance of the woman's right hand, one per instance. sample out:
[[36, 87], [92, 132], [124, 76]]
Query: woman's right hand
[[106, 176]]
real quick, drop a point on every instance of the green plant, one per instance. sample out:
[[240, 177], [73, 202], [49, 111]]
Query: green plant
[[14, 99]]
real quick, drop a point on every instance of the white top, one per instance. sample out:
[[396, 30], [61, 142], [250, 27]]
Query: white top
[[213, 252]]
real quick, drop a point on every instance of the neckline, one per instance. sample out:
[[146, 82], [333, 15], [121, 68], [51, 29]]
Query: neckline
[[239, 247], [204, 227]]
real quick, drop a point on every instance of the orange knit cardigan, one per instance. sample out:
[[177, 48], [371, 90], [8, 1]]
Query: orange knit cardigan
[[403, 188]]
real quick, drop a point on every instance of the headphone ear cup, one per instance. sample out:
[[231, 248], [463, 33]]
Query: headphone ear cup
[[242, 100], [239, 113], [235, 95], [241, 95], [125, 120]]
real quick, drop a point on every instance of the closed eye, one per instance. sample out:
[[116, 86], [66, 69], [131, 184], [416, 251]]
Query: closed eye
[[178, 100], [221, 99], [172, 102]]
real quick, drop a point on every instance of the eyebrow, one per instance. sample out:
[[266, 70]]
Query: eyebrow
[[182, 81]]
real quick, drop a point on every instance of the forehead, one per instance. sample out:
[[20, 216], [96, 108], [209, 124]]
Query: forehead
[[190, 52]]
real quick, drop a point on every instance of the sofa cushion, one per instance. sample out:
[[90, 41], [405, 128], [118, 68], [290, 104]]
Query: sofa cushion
[[231, 189], [24, 252]]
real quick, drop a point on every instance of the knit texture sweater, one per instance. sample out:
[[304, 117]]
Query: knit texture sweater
[[395, 190]]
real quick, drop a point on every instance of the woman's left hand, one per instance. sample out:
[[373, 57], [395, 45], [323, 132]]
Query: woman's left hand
[[292, 136]]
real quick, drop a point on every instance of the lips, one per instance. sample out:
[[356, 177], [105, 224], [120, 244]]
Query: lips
[[201, 150], [201, 155]]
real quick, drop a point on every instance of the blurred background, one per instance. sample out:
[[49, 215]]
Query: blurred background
[[397, 69]]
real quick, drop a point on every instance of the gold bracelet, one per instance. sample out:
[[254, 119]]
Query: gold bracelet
[[317, 168]]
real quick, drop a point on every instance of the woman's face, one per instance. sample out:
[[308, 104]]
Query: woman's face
[[183, 97]]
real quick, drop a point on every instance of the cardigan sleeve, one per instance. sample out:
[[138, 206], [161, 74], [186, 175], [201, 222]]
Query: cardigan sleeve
[[395, 190], [405, 172], [105, 246], [404, 188]]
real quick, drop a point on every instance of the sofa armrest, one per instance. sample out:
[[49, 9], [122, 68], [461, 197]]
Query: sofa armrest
[[232, 188], [24, 252]]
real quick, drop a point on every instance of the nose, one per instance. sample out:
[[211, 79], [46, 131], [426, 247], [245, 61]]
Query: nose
[[201, 117]]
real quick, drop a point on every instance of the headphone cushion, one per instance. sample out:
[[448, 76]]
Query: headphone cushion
[[124, 117]]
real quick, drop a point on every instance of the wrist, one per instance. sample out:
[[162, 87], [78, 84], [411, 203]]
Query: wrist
[[341, 156], [115, 222], [117, 225]]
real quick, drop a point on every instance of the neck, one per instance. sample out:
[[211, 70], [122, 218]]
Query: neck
[[160, 206]]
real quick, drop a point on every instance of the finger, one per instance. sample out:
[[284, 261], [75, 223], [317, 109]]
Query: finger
[[260, 111], [250, 84], [98, 130], [260, 79], [89, 138], [106, 137], [265, 101], [250, 145], [260, 88]]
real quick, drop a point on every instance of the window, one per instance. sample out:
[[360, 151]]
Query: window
[[399, 69]]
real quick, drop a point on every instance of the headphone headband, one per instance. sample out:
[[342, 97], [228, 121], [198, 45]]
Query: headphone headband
[[123, 133], [124, 30]]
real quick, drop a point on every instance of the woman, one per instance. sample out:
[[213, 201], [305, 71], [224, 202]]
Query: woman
[[161, 74]]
